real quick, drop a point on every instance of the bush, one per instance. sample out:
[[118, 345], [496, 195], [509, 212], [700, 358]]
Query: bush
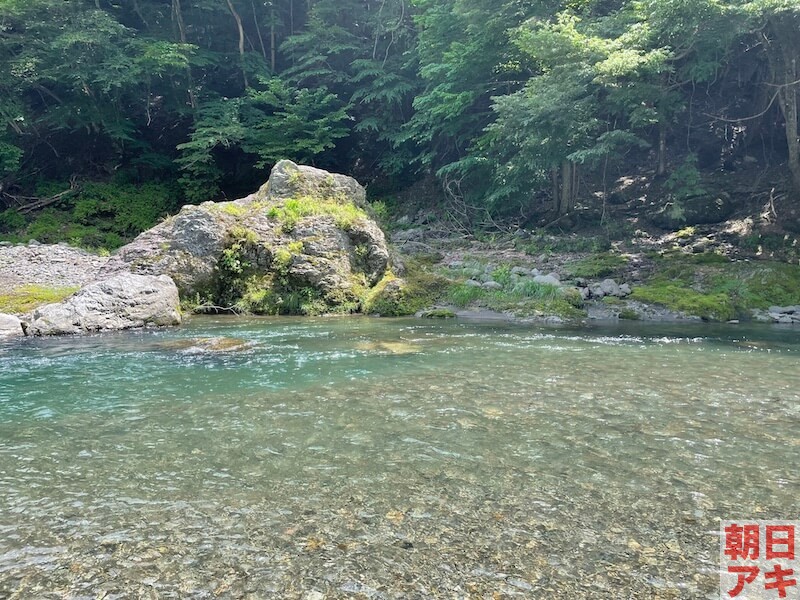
[[100, 215]]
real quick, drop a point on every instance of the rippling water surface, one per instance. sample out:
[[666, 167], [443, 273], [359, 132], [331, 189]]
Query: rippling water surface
[[365, 458]]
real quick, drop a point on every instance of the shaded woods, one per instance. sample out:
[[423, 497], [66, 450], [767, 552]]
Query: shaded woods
[[515, 106]]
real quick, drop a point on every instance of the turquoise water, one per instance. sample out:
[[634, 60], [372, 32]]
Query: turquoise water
[[367, 458]]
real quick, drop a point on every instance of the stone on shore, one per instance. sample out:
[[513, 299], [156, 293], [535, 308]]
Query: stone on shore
[[10, 326], [125, 301]]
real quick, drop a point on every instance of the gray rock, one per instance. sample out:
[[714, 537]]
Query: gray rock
[[473, 283], [288, 180], [784, 310], [610, 287], [408, 235], [262, 238], [521, 271], [535, 272], [761, 316], [596, 291], [10, 326], [125, 301], [492, 285], [547, 279], [625, 289]]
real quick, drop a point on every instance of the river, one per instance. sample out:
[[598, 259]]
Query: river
[[380, 458]]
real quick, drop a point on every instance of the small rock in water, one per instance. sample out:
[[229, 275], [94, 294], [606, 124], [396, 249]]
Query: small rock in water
[[389, 347], [520, 583]]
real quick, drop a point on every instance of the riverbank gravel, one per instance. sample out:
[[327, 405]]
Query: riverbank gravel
[[53, 266]]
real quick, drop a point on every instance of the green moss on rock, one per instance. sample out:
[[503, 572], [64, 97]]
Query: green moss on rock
[[720, 290], [26, 298], [597, 265], [394, 297]]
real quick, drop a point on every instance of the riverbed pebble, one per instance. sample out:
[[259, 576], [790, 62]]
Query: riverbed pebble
[[48, 265]]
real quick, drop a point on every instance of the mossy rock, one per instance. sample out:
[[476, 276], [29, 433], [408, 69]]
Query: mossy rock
[[719, 290], [303, 244], [697, 210], [396, 297]]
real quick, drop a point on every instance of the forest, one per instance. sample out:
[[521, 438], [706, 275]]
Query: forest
[[117, 112]]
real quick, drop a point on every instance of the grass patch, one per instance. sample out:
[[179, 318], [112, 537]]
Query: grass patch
[[230, 208], [597, 265], [709, 306], [345, 214], [543, 243], [628, 314], [28, 297], [686, 232], [525, 298], [719, 290]]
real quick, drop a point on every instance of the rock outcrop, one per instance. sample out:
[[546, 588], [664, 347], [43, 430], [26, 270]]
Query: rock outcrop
[[786, 315], [697, 210], [125, 301], [303, 244]]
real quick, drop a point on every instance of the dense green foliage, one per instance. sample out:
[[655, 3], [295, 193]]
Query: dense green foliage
[[513, 104]]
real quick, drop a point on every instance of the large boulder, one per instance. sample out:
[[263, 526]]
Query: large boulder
[[698, 210], [10, 326], [303, 243], [125, 301]]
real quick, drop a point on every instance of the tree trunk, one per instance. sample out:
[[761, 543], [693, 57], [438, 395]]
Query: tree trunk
[[258, 30], [662, 149], [567, 185], [554, 181], [272, 38], [177, 14], [783, 61], [176, 10], [239, 27]]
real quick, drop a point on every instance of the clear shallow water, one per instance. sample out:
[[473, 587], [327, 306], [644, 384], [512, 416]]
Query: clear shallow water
[[390, 459]]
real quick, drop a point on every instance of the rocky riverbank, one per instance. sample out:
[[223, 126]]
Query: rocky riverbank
[[51, 265], [302, 244], [306, 243]]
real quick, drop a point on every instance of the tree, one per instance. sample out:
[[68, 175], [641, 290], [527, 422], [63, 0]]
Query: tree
[[778, 27]]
